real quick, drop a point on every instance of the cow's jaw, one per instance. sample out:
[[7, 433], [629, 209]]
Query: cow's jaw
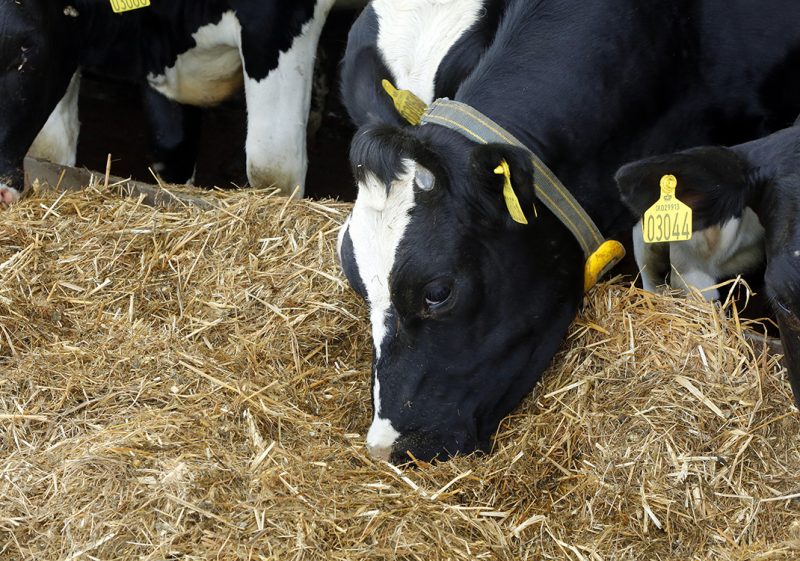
[[377, 225]]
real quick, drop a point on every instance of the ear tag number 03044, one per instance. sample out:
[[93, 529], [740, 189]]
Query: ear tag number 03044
[[669, 220], [120, 6]]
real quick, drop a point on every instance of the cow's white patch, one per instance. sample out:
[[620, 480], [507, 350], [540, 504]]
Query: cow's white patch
[[648, 260], [8, 195], [277, 107], [717, 253], [381, 435], [415, 35], [377, 225], [209, 72], [58, 140]]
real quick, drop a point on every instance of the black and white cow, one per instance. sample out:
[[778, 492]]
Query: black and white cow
[[745, 202], [190, 52], [467, 306]]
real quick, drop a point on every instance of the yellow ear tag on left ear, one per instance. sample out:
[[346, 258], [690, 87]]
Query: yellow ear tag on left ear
[[410, 107], [512, 202], [669, 220]]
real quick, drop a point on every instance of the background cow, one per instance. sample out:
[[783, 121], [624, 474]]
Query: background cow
[[468, 306], [746, 210], [192, 52]]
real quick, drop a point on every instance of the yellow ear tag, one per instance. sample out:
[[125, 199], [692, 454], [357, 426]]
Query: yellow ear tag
[[410, 107], [512, 202], [120, 6], [669, 220], [601, 261]]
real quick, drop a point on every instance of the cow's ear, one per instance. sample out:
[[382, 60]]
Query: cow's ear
[[713, 181], [362, 92], [505, 174]]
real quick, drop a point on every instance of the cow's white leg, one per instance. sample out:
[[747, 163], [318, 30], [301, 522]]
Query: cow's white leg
[[58, 140], [651, 260], [277, 108], [695, 278], [693, 263]]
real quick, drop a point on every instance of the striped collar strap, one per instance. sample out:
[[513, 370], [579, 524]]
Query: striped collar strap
[[600, 254]]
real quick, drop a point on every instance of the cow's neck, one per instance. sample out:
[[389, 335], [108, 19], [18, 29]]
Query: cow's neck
[[547, 90]]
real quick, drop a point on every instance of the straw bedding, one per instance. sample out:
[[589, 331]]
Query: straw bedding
[[181, 384]]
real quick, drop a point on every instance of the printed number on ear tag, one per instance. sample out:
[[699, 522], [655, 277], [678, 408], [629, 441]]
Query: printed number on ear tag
[[120, 6], [669, 220]]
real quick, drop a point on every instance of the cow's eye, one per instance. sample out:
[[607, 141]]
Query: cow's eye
[[437, 293]]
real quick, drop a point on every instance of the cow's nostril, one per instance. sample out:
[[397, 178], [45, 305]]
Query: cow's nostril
[[379, 452]]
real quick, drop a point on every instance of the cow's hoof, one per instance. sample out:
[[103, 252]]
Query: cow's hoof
[[288, 183], [8, 195]]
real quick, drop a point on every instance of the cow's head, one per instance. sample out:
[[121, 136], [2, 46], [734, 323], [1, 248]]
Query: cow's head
[[467, 306]]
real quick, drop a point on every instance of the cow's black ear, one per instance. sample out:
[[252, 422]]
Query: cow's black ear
[[361, 91], [713, 181], [492, 165]]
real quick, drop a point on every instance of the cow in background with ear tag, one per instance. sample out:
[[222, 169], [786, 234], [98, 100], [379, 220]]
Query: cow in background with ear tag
[[746, 205]]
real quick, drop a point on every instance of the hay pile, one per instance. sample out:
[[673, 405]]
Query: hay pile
[[185, 384]]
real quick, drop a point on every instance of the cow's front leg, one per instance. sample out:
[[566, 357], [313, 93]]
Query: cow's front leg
[[57, 142], [174, 133], [35, 69], [278, 72], [651, 259]]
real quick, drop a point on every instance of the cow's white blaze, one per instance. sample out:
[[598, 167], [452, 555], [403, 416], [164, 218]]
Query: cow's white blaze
[[58, 140], [381, 435], [377, 225], [277, 108], [415, 35], [647, 260], [209, 72]]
